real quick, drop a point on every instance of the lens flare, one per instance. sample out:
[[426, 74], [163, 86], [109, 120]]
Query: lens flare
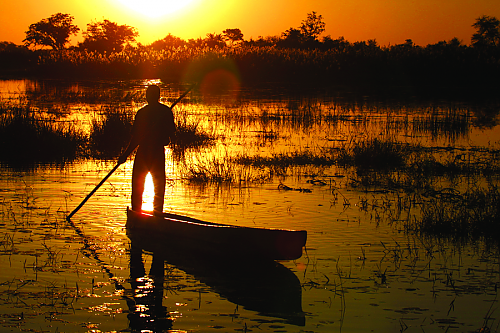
[[218, 78], [220, 85]]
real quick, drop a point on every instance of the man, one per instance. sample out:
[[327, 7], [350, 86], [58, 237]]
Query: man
[[152, 130]]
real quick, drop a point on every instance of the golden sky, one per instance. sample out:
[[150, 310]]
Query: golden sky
[[387, 21]]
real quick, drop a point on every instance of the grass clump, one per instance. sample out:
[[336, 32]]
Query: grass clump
[[110, 134], [219, 171], [26, 138], [374, 154], [286, 160], [472, 215], [189, 135]]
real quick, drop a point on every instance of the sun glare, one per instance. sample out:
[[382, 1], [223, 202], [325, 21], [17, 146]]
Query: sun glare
[[155, 8], [149, 194]]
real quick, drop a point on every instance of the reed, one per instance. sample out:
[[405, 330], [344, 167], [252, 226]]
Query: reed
[[188, 134], [450, 123], [471, 215], [47, 93], [26, 137], [110, 134], [223, 171], [283, 160], [373, 154], [334, 62]]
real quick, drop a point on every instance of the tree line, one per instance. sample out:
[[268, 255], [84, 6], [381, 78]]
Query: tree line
[[298, 54], [107, 36]]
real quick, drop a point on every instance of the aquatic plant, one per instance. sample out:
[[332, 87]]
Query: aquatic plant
[[287, 160], [374, 154], [452, 124], [48, 92], [222, 171], [463, 216], [188, 134], [110, 134], [26, 137], [359, 65]]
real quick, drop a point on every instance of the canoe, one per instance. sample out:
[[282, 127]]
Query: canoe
[[224, 239]]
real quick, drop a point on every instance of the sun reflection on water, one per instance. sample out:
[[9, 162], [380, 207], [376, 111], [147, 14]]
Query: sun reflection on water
[[149, 194]]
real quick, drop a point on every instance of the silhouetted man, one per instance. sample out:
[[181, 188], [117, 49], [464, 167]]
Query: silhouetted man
[[152, 130]]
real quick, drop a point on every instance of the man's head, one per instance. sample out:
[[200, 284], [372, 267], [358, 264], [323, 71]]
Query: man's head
[[153, 94]]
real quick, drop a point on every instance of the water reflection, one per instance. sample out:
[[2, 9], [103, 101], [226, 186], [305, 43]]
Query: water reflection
[[266, 287], [146, 309]]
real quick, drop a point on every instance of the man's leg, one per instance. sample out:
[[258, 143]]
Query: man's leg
[[139, 173], [159, 181]]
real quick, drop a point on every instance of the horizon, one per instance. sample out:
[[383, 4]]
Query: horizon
[[386, 21]]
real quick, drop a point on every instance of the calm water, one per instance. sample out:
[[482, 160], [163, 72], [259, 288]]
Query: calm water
[[359, 273]]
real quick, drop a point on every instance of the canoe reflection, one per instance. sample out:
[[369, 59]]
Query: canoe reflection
[[267, 287]]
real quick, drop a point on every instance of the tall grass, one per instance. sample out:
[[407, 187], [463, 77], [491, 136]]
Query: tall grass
[[45, 91], [375, 154], [110, 134], [221, 171], [355, 64], [188, 134], [26, 137], [453, 124], [472, 215]]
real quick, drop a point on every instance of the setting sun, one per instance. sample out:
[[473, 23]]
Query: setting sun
[[155, 8]]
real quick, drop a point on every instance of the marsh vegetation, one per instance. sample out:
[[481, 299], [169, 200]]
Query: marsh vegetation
[[387, 155], [399, 197]]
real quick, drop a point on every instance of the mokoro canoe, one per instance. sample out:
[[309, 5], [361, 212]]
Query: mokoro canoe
[[227, 240]]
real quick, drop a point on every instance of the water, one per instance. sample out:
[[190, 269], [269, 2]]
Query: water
[[360, 272]]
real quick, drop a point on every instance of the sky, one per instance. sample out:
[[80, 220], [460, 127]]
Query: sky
[[389, 22]]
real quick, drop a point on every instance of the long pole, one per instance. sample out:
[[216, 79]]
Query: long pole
[[116, 166], [92, 192]]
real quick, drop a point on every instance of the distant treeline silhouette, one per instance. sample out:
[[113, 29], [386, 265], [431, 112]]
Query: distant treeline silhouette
[[297, 56]]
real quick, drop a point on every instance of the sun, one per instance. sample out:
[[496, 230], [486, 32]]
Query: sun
[[155, 8]]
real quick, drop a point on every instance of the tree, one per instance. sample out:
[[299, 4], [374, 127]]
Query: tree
[[233, 35], [488, 32], [169, 41], [107, 36], [292, 38], [214, 40], [53, 31], [306, 35], [312, 27]]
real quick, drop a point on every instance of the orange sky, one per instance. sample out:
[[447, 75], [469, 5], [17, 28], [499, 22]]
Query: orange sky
[[387, 21]]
